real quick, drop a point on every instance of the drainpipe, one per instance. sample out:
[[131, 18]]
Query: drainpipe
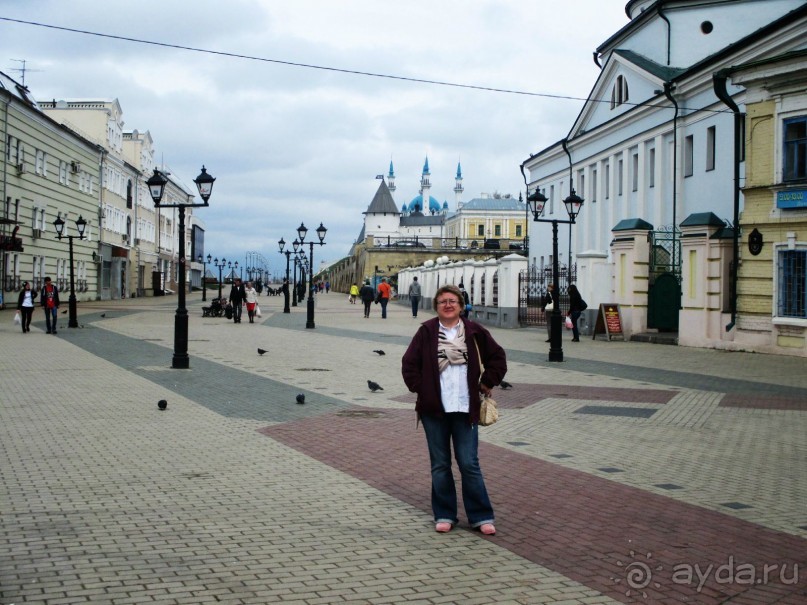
[[719, 84], [564, 144], [669, 29], [668, 86], [5, 193]]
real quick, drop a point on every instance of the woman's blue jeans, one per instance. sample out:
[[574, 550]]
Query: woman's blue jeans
[[441, 432]]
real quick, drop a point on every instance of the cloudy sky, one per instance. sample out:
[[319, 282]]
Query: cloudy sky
[[292, 144]]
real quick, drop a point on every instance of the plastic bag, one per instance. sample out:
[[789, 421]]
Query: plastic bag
[[257, 311], [568, 322], [17, 319]]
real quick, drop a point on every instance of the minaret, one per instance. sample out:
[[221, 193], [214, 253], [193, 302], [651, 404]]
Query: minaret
[[425, 186], [458, 189], [391, 180]]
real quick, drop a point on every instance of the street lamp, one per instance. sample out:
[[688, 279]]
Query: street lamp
[[156, 184], [282, 244], [301, 232], [204, 276], [81, 224], [573, 205], [221, 266]]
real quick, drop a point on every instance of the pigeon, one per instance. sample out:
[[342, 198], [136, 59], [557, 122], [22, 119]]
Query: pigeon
[[374, 386], [103, 314], [261, 351], [301, 398], [162, 404], [505, 385], [65, 311], [379, 351]]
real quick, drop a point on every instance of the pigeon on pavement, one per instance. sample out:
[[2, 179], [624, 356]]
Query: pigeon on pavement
[[162, 404], [374, 386], [103, 314], [65, 311], [261, 351], [301, 398], [379, 351], [505, 385]]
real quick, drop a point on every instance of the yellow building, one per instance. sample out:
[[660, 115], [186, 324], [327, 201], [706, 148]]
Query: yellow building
[[772, 278]]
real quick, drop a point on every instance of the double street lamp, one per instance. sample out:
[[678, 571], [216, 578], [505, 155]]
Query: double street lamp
[[286, 286], [81, 225], [220, 266], [573, 204], [156, 184], [201, 259], [301, 233]]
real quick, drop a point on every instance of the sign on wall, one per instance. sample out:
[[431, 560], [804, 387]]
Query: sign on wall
[[791, 198]]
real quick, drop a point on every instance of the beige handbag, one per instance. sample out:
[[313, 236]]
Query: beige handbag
[[488, 412]]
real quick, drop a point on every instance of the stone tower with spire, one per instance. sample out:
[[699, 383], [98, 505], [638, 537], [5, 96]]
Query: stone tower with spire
[[458, 188], [425, 186], [391, 180]]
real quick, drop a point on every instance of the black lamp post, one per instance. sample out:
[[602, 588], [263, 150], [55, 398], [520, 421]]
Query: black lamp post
[[295, 245], [156, 184], [573, 204], [221, 266], [282, 244], [301, 232], [204, 276], [81, 224]]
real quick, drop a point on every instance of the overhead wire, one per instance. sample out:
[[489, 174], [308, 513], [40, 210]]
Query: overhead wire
[[233, 55]]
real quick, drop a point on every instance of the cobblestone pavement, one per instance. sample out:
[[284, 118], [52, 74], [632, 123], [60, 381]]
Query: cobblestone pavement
[[629, 473]]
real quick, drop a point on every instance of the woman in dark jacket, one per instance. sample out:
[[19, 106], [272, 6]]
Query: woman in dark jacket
[[367, 295], [576, 306], [25, 305], [442, 365]]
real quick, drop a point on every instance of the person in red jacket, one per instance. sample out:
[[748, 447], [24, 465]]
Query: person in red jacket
[[442, 365], [50, 303]]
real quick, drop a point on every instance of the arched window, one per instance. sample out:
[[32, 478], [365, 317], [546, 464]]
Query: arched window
[[619, 93]]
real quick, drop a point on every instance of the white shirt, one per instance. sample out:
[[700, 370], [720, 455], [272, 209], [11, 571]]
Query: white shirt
[[27, 301], [454, 381]]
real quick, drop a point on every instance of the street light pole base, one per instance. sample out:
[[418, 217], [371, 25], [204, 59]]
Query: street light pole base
[[180, 362], [309, 320], [556, 336]]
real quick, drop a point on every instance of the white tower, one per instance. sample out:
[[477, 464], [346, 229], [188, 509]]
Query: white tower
[[458, 189]]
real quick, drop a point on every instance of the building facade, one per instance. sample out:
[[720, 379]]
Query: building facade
[[654, 143]]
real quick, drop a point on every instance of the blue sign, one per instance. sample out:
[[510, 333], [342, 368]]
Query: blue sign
[[792, 198]]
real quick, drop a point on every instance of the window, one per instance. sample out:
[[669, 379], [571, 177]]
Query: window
[[63, 172], [518, 230], [689, 149], [551, 199], [594, 185], [129, 193], [635, 176], [607, 181], [497, 230], [619, 177], [710, 148], [792, 284], [795, 152], [619, 93], [651, 168], [480, 230], [40, 163]]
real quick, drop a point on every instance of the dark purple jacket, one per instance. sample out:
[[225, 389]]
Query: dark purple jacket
[[421, 372]]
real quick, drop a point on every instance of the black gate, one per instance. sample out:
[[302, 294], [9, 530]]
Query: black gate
[[664, 287], [532, 286]]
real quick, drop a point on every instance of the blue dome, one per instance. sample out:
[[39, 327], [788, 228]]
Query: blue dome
[[434, 205]]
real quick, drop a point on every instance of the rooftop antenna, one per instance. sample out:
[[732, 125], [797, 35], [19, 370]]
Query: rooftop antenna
[[22, 70]]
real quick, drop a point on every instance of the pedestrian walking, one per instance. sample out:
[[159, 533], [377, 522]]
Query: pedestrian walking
[[354, 293], [384, 291], [251, 298], [548, 307], [414, 296], [285, 290], [25, 305], [466, 301], [237, 296], [442, 365], [367, 295], [576, 307], [50, 304]]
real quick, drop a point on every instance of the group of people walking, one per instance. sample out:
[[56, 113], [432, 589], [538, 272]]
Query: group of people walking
[[243, 294], [49, 302]]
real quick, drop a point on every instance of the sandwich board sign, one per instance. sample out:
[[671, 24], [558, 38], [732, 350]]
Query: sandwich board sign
[[609, 322]]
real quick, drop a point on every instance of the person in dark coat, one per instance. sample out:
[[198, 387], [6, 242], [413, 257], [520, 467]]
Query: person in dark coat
[[442, 365], [50, 303], [238, 295], [367, 295], [576, 307], [25, 306], [548, 305]]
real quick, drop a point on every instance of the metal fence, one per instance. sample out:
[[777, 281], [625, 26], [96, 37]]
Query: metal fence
[[451, 243], [532, 287]]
